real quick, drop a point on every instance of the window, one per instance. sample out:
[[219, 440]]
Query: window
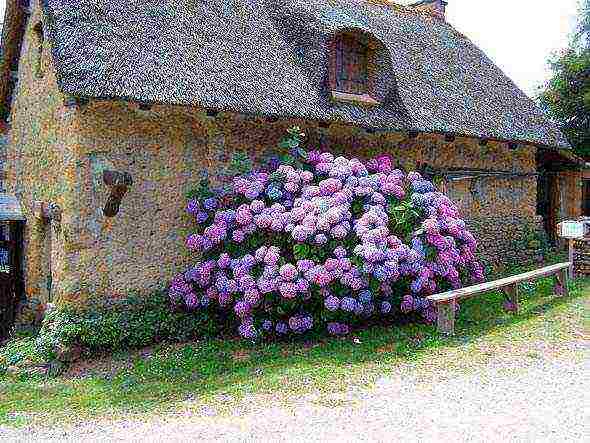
[[351, 65], [39, 42], [350, 73]]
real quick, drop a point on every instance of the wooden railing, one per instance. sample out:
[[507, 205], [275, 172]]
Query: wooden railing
[[446, 302]]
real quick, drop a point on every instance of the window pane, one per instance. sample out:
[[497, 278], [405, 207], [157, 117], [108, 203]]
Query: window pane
[[351, 65]]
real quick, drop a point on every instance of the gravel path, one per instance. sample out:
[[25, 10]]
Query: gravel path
[[537, 400]]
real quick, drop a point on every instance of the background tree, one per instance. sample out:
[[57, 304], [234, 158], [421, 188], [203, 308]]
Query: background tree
[[566, 96]]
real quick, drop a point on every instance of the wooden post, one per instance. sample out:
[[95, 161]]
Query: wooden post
[[512, 295], [446, 317], [561, 281], [571, 257]]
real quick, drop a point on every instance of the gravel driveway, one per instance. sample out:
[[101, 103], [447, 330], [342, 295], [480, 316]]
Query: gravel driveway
[[536, 400]]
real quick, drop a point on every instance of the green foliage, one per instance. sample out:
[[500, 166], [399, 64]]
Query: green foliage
[[290, 147], [404, 218], [130, 323], [18, 351], [566, 96]]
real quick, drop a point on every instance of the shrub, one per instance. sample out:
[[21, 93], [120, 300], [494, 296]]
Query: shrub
[[128, 323], [321, 242]]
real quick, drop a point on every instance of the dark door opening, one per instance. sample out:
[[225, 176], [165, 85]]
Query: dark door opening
[[548, 203], [11, 277]]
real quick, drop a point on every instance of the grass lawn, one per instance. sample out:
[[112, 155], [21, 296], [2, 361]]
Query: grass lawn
[[171, 378]]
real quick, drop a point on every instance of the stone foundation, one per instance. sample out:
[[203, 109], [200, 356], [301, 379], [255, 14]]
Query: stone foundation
[[505, 241], [582, 257]]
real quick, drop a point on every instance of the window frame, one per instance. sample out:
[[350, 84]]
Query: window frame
[[362, 91]]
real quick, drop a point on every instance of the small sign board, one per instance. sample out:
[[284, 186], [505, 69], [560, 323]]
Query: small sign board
[[572, 229]]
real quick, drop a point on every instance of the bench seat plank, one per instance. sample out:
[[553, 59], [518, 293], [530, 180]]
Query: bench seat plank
[[458, 294]]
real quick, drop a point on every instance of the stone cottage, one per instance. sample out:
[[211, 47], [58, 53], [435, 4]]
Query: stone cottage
[[114, 107]]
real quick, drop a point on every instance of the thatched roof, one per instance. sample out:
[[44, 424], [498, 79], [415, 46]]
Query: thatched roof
[[269, 57]]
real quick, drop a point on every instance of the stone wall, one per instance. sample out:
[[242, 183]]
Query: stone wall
[[165, 149], [512, 240], [40, 167], [434, 7]]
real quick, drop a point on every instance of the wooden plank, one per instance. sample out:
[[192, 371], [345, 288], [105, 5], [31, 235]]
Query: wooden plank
[[496, 284], [446, 317]]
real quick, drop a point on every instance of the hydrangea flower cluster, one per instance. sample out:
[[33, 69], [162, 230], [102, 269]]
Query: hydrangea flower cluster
[[324, 242]]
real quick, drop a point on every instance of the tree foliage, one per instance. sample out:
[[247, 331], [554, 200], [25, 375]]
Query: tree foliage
[[566, 96]]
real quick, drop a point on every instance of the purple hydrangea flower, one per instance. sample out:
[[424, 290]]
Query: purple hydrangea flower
[[332, 303], [338, 329], [248, 331], [193, 207], [281, 328], [385, 307]]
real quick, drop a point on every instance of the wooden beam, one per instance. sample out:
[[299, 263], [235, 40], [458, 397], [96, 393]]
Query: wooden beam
[[458, 294], [560, 285], [119, 182]]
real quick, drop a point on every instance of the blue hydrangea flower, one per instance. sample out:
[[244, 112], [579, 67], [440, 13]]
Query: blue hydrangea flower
[[210, 204], [348, 304], [365, 296], [267, 325], [202, 217]]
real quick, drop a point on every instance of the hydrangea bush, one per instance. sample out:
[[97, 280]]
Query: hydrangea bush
[[318, 242]]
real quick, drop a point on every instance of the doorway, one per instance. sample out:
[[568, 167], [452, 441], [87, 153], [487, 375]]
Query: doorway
[[11, 276]]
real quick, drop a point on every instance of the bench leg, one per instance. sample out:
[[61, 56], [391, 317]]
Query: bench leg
[[512, 303], [446, 317], [560, 285]]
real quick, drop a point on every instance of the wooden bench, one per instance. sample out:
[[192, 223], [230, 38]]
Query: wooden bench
[[446, 302]]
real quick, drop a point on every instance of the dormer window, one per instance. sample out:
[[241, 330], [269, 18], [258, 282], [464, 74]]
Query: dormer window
[[351, 65], [350, 76]]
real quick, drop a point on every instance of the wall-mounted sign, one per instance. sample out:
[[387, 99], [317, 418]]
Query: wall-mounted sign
[[572, 229]]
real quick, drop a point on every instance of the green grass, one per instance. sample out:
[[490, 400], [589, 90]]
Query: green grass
[[220, 373]]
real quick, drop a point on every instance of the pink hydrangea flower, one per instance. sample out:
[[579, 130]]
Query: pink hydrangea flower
[[288, 272]]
